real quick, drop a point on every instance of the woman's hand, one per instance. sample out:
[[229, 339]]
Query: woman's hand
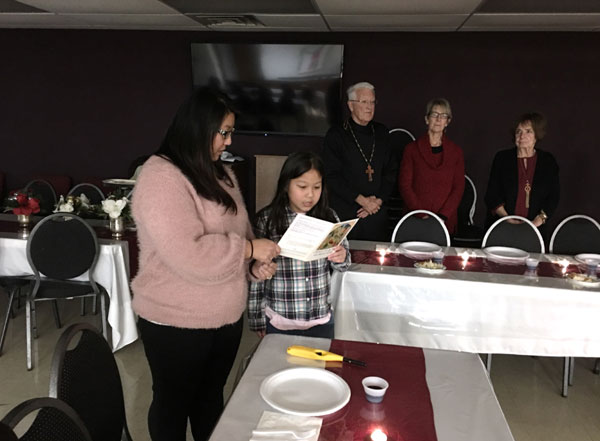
[[338, 255], [263, 271], [369, 205], [263, 250], [261, 334], [537, 221]]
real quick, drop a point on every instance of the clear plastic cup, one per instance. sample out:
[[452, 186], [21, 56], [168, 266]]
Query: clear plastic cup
[[375, 388], [532, 264], [591, 266], [438, 257]]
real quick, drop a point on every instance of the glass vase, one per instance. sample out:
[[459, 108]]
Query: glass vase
[[24, 223], [117, 227]]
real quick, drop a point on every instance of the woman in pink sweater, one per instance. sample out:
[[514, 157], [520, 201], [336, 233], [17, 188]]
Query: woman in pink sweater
[[432, 171], [195, 247]]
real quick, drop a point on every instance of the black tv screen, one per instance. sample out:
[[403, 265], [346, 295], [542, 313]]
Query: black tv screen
[[277, 88]]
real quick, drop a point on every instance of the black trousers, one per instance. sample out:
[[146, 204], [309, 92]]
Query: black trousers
[[189, 369]]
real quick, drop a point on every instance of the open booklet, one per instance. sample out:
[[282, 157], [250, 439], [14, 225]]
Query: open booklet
[[308, 238]]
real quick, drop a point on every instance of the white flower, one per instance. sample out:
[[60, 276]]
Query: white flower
[[64, 207], [84, 201], [114, 207]]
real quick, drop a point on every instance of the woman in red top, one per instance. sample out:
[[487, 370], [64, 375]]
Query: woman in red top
[[432, 171]]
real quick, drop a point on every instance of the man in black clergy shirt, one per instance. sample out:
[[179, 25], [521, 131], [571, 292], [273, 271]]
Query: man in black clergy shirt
[[359, 168]]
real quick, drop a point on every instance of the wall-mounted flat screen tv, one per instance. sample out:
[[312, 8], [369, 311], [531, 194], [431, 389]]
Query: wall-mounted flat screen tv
[[277, 88]]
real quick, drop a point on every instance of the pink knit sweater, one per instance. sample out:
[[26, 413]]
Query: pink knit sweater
[[192, 271]]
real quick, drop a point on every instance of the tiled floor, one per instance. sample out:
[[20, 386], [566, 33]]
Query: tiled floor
[[528, 388]]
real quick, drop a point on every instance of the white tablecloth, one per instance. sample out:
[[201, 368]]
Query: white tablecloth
[[111, 271], [466, 311], [464, 405]]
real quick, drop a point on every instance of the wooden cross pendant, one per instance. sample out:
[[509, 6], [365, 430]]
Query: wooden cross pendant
[[370, 172]]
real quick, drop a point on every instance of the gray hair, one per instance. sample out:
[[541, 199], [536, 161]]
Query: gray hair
[[442, 102], [362, 85]]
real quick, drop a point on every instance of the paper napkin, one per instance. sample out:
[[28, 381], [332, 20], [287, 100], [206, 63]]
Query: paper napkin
[[275, 426]]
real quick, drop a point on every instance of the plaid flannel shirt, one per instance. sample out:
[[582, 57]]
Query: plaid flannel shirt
[[298, 290]]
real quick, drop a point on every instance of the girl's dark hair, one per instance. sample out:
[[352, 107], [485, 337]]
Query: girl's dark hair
[[188, 144], [294, 166]]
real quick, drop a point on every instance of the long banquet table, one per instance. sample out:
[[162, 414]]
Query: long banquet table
[[111, 271], [461, 397], [501, 310]]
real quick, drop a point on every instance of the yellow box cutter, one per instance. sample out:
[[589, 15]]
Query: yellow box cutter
[[319, 354]]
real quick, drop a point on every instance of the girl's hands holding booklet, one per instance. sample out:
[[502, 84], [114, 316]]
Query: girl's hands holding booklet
[[338, 255]]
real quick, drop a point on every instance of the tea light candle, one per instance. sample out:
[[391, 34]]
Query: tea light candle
[[465, 258], [564, 263], [378, 435]]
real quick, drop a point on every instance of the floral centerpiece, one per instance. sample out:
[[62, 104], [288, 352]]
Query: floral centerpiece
[[79, 205], [22, 203], [118, 209]]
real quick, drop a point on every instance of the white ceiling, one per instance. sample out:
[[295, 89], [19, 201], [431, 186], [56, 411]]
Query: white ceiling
[[305, 15]]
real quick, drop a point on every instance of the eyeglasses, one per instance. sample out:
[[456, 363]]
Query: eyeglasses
[[364, 102], [226, 133], [436, 115]]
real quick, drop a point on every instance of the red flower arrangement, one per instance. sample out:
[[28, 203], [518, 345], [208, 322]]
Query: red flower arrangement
[[22, 203]]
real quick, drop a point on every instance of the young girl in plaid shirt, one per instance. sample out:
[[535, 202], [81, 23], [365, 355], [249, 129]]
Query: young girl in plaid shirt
[[296, 299]]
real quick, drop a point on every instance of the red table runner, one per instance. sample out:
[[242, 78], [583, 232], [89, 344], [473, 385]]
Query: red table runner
[[455, 263], [406, 413]]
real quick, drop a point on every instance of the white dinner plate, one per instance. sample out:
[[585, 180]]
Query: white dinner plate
[[305, 391], [419, 249], [119, 181], [582, 257], [506, 254], [429, 270]]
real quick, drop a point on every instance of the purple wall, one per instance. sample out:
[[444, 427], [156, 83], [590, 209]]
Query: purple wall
[[86, 103]]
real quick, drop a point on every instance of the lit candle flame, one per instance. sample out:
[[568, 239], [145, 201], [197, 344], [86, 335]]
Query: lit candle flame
[[564, 263], [382, 254], [378, 435], [465, 258]]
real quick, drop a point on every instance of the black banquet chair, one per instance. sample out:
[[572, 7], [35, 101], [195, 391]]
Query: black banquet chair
[[13, 287], [467, 233], [524, 236], [61, 247], [55, 421], [574, 235], [87, 378], [46, 194], [91, 191], [414, 227], [399, 139]]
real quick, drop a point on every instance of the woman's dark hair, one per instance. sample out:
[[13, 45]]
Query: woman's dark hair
[[188, 144], [294, 166], [538, 124]]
